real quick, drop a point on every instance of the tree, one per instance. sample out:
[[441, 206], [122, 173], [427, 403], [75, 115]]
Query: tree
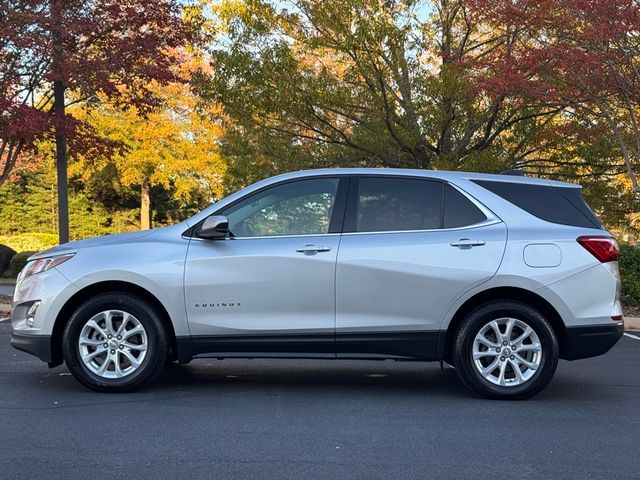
[[173, 146], [28, 203], [104, 49], [583, 54], [310, 83]]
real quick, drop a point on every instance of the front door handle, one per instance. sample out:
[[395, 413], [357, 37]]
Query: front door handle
[[466, 243], [311, 249]]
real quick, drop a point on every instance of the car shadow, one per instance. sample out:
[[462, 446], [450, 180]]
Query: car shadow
[[333, 379], [321, 376]]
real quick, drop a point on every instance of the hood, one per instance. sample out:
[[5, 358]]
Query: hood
[[73, 247]]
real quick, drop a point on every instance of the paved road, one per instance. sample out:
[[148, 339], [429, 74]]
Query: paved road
[[319, 419], [6, 290]]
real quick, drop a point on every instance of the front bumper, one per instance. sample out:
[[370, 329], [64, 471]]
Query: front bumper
[[32, 332], [38, 345], [590, 341]]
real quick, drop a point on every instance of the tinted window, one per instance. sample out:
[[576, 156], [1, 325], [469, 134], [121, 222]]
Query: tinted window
[[297, 208], [391, 204], [459, 211], [563, 205]]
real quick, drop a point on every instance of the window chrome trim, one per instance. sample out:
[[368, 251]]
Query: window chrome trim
[[486, 223], [268, 236]]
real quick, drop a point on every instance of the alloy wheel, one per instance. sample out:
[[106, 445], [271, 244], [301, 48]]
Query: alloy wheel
[[507, 352], [113, 344]]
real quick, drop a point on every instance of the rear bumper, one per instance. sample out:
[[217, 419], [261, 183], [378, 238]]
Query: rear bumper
[[38, 345], [591, 341]]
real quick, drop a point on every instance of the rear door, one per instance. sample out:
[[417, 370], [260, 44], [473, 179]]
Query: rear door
[[410, 248]]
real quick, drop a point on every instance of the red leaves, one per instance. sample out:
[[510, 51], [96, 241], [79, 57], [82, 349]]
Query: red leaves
[[21, 121], [563, 50]]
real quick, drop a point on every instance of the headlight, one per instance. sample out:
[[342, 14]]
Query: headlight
[[43, 264]]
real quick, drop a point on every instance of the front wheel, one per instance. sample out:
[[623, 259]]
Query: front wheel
[[506, 350], [115, 342]]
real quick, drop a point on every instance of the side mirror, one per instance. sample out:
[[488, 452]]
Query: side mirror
[[214, 226]]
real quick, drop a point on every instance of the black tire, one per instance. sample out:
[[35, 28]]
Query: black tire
[[157, 351], [481, 316]]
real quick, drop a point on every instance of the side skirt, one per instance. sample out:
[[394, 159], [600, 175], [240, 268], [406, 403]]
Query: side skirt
[[420, 345]]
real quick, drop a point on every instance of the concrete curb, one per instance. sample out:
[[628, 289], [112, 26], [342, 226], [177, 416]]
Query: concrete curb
[[7, 281], [632, 323], [4, 307]]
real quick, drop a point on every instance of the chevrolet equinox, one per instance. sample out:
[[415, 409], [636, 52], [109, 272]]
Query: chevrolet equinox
[[498, 275]]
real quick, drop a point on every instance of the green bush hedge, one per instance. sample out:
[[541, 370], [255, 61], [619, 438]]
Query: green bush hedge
[[18, 262], [29, 242], [630, 275]]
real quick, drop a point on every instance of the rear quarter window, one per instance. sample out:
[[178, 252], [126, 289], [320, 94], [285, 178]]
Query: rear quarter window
[[561, 205], [459, 211]]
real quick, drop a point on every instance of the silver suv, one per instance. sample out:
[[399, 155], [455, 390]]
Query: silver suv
[[500, 276]]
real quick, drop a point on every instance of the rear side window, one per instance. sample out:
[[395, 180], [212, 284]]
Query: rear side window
[[459, 211], [396, 204], [562, 205]]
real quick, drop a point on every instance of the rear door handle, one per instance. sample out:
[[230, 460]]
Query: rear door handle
[[466, 243], [311, 249]]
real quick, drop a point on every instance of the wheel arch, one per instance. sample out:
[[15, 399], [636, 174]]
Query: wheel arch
[[96, 289], [504, 293]]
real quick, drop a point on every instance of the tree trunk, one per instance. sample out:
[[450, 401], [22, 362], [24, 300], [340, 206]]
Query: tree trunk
[[61, 164], [446, 102], [145, 205], [61, 140]]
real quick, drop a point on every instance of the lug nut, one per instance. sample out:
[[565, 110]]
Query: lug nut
[[502, 359], [512, 357], [113, 351], [121, 347], [119, 337], [497, 349], [109, 336], [505, 343], [105, 345]]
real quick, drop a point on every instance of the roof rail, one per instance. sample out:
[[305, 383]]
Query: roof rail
[[517, 172]]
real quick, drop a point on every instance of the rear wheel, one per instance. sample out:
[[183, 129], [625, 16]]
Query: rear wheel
[[115, 342], [506, 350]]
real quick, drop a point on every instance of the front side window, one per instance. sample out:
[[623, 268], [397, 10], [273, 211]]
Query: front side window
[[302, 207], [396, 204]]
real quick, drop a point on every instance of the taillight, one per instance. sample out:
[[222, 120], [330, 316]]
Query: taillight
[[604, 249]]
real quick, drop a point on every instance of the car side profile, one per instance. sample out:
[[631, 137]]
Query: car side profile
[[498, 275]]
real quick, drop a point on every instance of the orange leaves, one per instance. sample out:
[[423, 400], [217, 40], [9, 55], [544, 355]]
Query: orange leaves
[[174, 145]]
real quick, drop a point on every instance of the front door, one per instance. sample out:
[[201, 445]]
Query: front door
[[269, 288]]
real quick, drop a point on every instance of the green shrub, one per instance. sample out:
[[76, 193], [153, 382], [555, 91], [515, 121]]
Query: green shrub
[[630, 275], [18, 262], [23, 242]]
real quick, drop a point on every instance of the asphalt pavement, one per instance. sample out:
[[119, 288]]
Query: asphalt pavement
[[277, 419]]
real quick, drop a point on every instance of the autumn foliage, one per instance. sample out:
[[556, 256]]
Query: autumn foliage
[[581, 54], [105, 49], [172, 103]]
